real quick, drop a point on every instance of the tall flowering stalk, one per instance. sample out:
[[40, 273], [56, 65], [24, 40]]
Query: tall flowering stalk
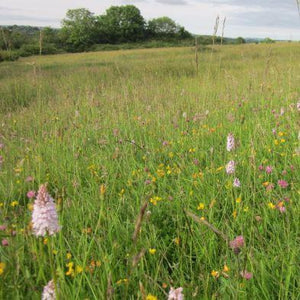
[[49, 291], [176, 294], [230, 142], [44, 215], [230, 167]]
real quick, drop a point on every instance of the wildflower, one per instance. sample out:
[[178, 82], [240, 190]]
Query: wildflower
[[2, 227], [151, 297], [201, 206], [70, 271], [30, 194], [234, 214], [29, 179], [238, 200], [2, 267], [69, 255], [215, 274], [226, 269], [246, 275], [102, 189], [4, 243], [176, 294], [14, 203], [1, 145], [271, 205], [274, 131], [237, 244], [44, 215], [270, 187], [230, 142], [79, 269], [269, 169], [49, 291], [298, 106], [236, 182], [260, 168], [230, 167], [152, 251], [283, 183]]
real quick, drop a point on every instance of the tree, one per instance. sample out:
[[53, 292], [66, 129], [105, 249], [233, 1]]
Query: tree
[[240, 40], [78, 29], [121, 24], [164, 27]]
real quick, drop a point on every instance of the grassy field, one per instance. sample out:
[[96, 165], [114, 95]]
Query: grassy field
[[111, 132]]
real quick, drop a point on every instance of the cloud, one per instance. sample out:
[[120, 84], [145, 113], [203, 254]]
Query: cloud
[[172, 2], [9, 19]]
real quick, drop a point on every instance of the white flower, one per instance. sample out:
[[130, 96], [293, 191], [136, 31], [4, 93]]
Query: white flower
[[176, 294], [44, 215], [230, 142], [230, 167], [49, 291]]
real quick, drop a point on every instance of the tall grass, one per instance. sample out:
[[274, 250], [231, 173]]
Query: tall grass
[[111, 131]]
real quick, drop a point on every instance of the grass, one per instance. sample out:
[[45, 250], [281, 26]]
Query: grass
[[110, 131]]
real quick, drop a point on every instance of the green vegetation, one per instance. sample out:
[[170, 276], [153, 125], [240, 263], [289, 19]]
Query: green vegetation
[[110, 131], [121, 27]]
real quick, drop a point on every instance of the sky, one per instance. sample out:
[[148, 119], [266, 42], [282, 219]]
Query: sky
[[277, 19]]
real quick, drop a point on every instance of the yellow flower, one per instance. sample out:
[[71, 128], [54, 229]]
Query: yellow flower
[[219, 169], [282, 140], [177, 241], [234, 214], [70, 271], [160, 173], [151, 297], [202, 218], [69, 255], [171, 154], [226, 269], [2, 268], [201, 206], [276, 142], [214, 274], [79, 269], [152, 251], [271, 205], [266, 183], [246, 209], [281, 133], [30, 206], [14, 203], [45, 241], [238, 200], [154, 200], [102, 189]]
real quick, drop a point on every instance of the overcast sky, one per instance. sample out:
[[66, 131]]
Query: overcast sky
[[278, 19]]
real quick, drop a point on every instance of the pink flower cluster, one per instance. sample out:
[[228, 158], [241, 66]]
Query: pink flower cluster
[[44, 215], [176, 294]]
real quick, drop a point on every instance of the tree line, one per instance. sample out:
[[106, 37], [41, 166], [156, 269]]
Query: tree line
[[82, 30]]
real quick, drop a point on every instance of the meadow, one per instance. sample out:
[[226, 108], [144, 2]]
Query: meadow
[[134, 147]]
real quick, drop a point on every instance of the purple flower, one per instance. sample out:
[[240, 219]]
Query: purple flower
[[230, 167], [49, 291], [246, 275], [2, 227], [4, 243], [29, 179], [281, 209], [44, 215], [298, 106], [176, 294], [237, 243], [282, 183], [269, 169], [260, 168], [230, 142], [236, 182], [274, 131], [30, 194]]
